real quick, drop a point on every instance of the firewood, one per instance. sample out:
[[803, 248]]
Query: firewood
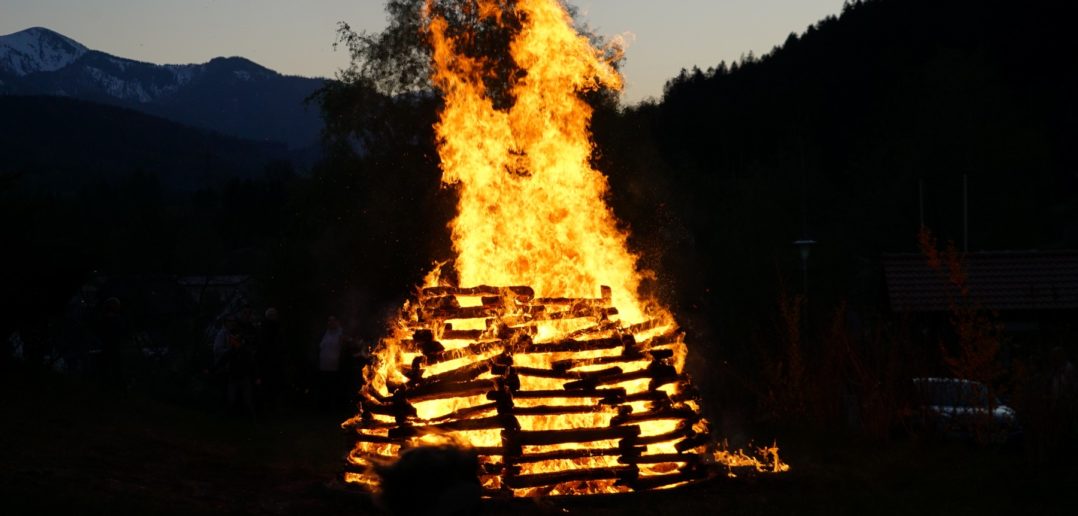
[[573, 363], [440, 390], [684, 413], [462, 334], [556, 410], [658, 372], [577, 475], [460, 374], [464, 312], [482, 290], [570, 301], [508, 319], [570, 454], [566, 375], [598, 327], [680, 432], [440, 302], [479, 348], [665, 339], [374, 425], [464, 413], [659, 458], [580, 312], [579, 435], [486, 423], [597, 393], [572, 346], [645, 483]]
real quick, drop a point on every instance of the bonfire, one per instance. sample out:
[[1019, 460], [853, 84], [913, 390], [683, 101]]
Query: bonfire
[[540, 354]]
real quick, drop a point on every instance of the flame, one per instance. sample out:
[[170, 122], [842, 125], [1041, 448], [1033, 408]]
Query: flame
[[531, 208], [532, 212]]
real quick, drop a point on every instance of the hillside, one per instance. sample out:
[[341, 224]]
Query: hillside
[[60, 145]]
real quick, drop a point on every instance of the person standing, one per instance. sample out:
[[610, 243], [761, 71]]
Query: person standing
[[240, 370]]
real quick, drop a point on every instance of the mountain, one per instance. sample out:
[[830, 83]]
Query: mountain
[[232, 96], [37, 50], [62, 145]]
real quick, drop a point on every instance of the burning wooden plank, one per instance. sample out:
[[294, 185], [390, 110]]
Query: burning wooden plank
[[525, 420]]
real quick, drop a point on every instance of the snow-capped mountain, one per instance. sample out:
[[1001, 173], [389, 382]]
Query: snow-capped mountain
[[37, 49], [232, 96]]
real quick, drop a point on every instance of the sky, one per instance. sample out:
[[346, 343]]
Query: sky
[[296, 37]]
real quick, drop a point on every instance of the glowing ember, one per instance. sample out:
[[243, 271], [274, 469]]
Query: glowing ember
[[559, 392]]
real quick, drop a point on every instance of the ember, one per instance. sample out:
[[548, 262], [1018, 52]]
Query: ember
[[556, 391]]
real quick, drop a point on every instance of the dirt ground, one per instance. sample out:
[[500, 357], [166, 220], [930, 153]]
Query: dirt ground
[[67, 447]]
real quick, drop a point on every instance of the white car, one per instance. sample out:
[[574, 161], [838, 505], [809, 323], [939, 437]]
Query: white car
[[964, 409]]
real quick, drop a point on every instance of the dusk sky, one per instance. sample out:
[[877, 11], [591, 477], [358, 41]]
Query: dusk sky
[[296, 37]]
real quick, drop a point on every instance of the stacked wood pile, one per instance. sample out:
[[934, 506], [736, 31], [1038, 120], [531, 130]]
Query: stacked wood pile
[[554, 394]]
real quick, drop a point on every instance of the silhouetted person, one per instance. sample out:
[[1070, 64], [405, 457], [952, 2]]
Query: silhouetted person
[[240, 370], [431, 480]]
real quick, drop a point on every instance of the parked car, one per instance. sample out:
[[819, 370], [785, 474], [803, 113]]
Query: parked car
[[963, 409]]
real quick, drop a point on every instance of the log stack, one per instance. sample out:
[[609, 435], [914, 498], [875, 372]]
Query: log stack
[[555, 395]]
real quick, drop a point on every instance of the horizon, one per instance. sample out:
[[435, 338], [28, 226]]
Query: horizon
[[658, 46]]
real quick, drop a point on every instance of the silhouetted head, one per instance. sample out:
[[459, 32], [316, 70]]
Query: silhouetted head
[[271, 314], [431, 480], [333, 323]]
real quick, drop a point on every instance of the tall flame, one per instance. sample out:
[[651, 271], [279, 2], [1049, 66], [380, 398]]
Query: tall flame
[[531, 206]]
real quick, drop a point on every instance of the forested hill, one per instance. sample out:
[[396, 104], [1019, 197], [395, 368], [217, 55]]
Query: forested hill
[[61, 145], [831, 135]]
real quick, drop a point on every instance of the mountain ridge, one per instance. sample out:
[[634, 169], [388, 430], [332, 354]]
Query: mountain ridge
[[230, 95]]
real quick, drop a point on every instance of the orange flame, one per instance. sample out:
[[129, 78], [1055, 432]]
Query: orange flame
[[531, 206]]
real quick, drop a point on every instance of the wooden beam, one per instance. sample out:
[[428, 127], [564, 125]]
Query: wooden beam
[[578, 435], [595, 394], [448, 390], [569, 454], [577, 475]]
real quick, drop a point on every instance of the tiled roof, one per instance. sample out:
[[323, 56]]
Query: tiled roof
[[1027, 280]]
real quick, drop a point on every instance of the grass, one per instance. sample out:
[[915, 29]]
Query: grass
[[67, 447]]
